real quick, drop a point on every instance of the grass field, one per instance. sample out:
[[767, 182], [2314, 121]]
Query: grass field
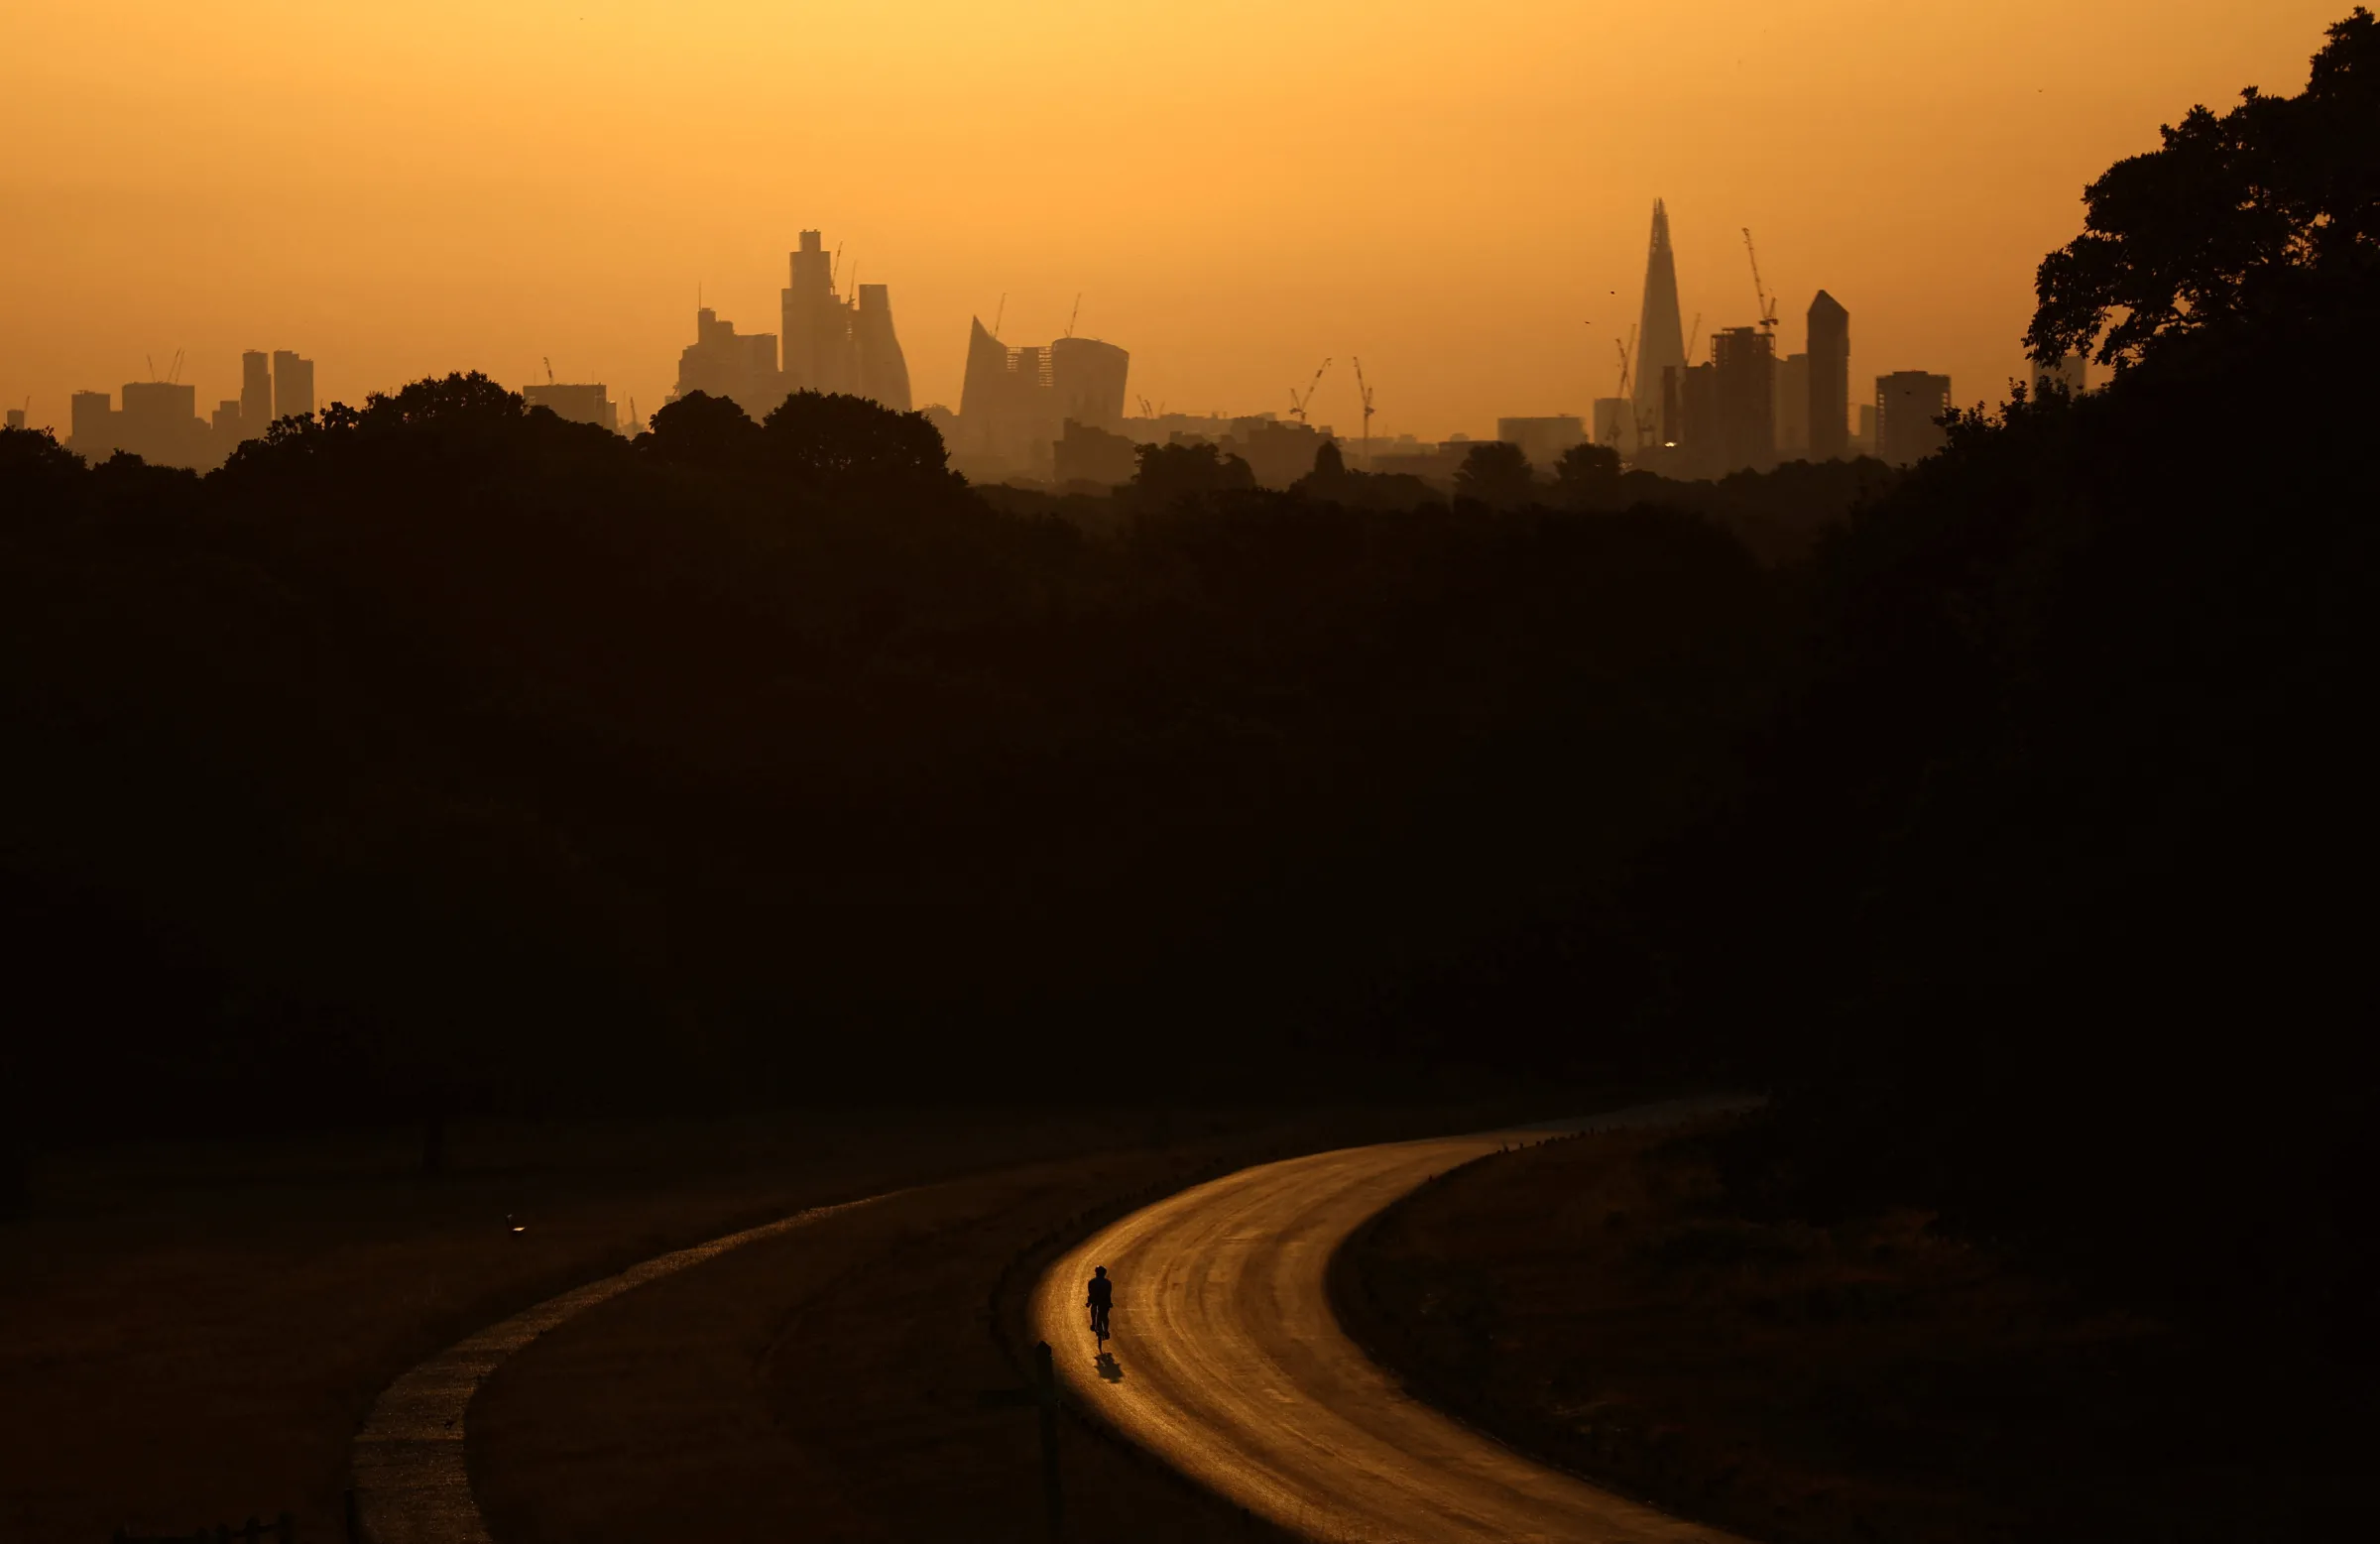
[[1598, 1302]]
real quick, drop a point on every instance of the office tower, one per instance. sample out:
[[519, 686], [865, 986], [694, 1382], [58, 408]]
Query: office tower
[[740, 366], [292, 385], [256, 393], [1014, 401], [1746, 361], [1615, 423], [1863, 440], [1086, 378], [1542, 441], [818, 353], [1660, 335], [575, 403], [1793, 408], [160, 423], [1909, 403], [91, 431], [883, 372], [1830, 346], [2070, 374]]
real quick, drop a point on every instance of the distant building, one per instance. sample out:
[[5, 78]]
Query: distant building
[[1908, 404], [1792, 398], [159, 423], [1013, 402], [1864, 441], [256, 393], [832, 344], [1542, 441], [1660, 331], [884, 371], [1746, 361], [92, 425], [292, 385], [740, 366], [1276, 453], [1830, 378], [1615, 423], [575, 403], [16, 417], [1088, 458], [818, 352], [2070, 374]]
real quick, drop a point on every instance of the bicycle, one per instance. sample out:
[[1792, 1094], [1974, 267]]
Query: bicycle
[[1099, 1324]]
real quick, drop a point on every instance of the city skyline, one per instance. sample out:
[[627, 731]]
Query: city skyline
[[1483, 257]]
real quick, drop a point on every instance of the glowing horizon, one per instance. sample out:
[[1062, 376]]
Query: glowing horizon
[[1460, 199]]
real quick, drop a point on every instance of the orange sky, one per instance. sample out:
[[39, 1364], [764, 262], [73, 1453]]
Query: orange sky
[[1236, 190]]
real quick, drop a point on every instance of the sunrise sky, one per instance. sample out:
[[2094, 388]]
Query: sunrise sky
[[1458, 194]]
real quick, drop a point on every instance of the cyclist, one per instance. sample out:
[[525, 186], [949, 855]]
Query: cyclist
[[1102, 1298]]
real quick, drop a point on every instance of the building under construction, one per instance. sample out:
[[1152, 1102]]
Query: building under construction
[[1014, 402]]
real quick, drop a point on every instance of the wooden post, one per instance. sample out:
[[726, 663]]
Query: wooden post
[[1045, 1380]]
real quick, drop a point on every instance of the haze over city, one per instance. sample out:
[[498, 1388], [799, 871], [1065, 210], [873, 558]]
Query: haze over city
[[1234, 194]]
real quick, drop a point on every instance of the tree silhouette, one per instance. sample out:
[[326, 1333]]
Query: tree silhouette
[[1495, 474], [699, 430], [834, 441], [2270, 211], [1169, 473], [1587, 477]]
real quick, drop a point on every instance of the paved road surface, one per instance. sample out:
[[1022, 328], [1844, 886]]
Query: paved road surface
[[1228, 1361]]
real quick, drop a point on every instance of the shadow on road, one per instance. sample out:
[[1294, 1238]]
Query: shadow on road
[[1108, 1366]]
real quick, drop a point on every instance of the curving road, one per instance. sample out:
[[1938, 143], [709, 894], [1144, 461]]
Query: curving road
[[1228, 1363]]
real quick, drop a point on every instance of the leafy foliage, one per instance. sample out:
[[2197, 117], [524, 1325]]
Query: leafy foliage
[[2270, 211]]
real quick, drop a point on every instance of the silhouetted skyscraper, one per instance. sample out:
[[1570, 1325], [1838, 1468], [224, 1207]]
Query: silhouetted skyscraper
[[292, 385], [817, 335], [1909, 403], [1660, 334], [1747, 359], [16, 417], [883, 371], [256, 393], [92, 421], [1830, 348]]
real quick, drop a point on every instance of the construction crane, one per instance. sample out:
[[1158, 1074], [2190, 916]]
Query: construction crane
[[1076, 312], [1298, 404], [1693, 332], [1626, 351], [1146, 411], [1768, 302], [1363, 392], [548, 358]]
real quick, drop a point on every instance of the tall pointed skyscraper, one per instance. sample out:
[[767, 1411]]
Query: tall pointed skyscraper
[[1660, 334]]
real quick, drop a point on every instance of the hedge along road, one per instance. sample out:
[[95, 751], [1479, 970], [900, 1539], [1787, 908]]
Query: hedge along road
[[1226, 1361]]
